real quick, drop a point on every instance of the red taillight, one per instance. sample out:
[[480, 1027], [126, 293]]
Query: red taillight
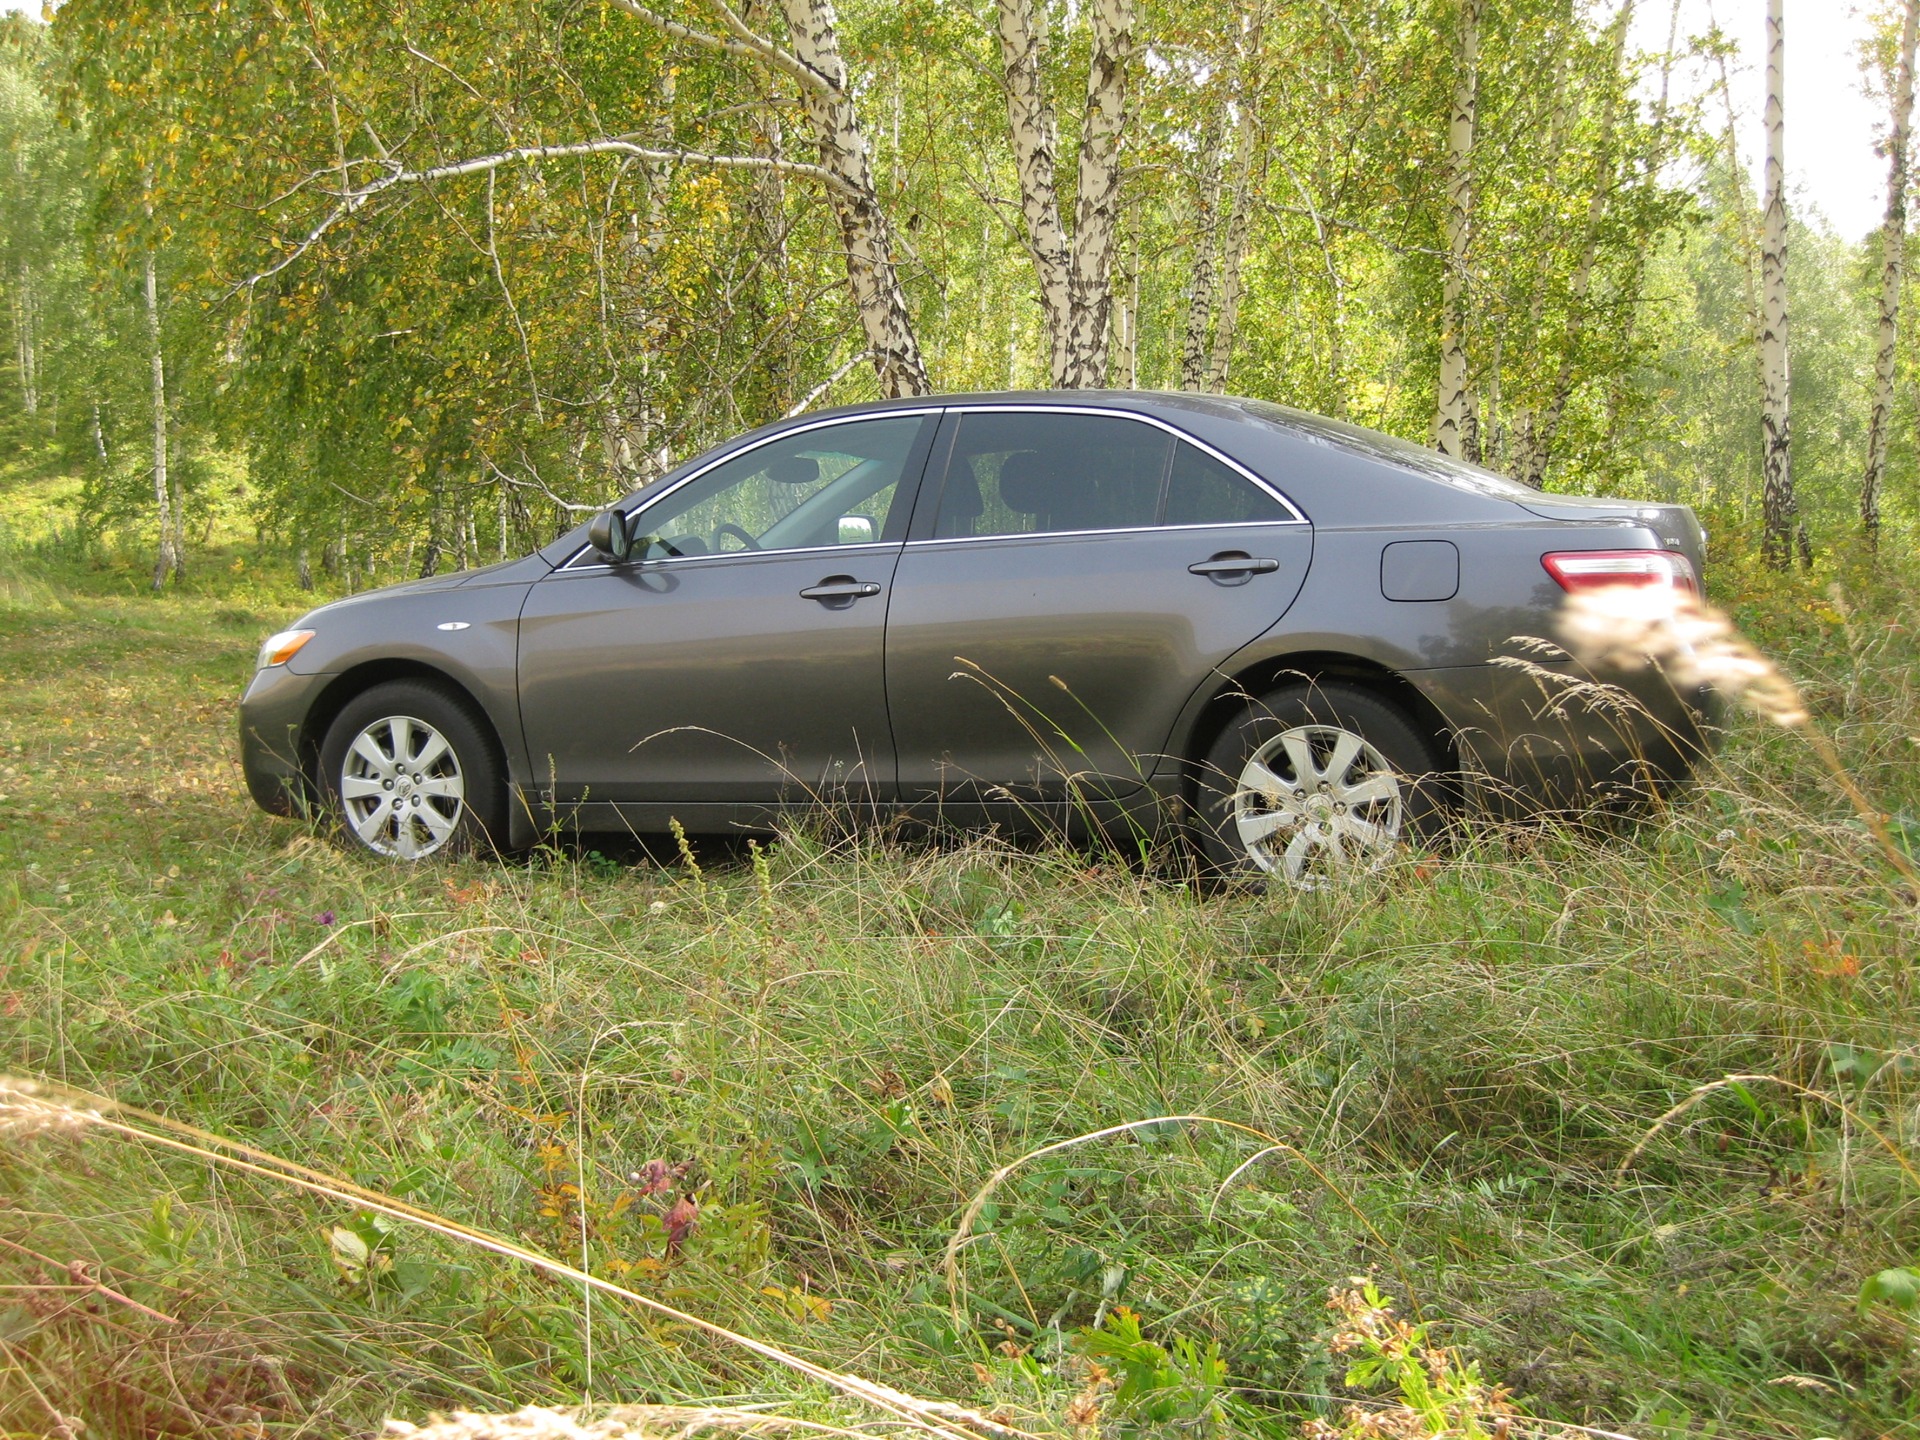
[[1577, 570]]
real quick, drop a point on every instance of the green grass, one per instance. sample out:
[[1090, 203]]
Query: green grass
[[842, 1040]]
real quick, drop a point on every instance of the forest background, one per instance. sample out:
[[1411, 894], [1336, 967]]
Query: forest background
[[413, 286]]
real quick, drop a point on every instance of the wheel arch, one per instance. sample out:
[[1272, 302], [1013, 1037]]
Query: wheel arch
[[356, 681], [1314, 666]]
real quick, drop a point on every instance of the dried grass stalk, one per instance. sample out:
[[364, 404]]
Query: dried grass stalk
[[624, 1422], [1630, 627]]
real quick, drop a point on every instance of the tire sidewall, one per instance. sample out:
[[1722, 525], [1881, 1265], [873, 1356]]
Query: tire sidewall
[[1424, 797], [482, 820]]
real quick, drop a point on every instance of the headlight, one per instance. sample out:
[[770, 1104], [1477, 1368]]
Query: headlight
[[281, 648]]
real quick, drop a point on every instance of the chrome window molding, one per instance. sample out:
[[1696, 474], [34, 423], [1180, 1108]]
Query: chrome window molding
[[1168, 530], [570, 568]]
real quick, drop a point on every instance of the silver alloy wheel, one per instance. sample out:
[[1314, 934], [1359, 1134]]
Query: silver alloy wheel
[[1316, 802], [401, 787]]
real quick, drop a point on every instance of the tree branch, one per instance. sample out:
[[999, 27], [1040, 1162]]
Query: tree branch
[[745, 43], [806, 401], [352, 200]]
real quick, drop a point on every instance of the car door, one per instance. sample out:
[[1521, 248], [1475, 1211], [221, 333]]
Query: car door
[[738, 657], [1081, 574]]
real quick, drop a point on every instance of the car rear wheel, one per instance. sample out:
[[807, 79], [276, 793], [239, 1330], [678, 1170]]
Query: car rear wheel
[[1314, 783], [408, 770]]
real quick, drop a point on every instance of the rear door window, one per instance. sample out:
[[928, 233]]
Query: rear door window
[[1035, 473]]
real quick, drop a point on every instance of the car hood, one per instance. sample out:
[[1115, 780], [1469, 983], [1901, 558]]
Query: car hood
[[525, 569]]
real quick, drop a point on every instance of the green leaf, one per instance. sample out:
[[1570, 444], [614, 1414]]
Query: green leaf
[[1898, 1287]]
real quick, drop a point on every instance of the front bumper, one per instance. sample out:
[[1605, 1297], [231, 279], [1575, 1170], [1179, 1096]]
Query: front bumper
[[273, 754]]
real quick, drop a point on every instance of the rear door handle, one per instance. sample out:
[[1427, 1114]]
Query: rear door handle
[[1235, 563], [841, 587]]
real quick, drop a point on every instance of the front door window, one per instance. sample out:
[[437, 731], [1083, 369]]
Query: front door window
[[836, 485]]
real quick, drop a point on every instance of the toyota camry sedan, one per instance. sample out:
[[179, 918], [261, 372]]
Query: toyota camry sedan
[[1297, 643]]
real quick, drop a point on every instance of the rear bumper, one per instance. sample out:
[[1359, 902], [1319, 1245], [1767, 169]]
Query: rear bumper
[[1545, 736], [273, 714]]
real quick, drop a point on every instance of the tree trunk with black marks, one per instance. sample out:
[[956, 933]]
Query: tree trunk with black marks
[[1893, 247], [1778, 508], [1075, 274], [1451, 412], [1195, 349], [877, 296], [25, 342], [167, 561], [1240, 203]]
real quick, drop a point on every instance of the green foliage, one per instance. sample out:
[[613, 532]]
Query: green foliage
[[1154, 1385], [446, 369]]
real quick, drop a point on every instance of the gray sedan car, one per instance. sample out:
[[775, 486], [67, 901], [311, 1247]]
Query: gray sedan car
[[1299, 641]]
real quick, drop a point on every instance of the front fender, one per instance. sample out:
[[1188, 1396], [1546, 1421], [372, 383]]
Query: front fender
[[470, 634]]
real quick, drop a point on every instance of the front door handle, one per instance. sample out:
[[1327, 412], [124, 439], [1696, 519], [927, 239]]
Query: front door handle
[[1235, 562], [840, 587]]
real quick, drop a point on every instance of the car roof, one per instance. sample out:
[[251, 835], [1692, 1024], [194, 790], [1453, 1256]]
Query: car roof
[[1375, 445]]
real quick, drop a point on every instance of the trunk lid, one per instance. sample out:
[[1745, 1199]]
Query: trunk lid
[[1676, 526]]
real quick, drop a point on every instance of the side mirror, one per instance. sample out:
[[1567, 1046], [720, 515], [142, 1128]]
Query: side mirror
[[856, 530], [608, 533]]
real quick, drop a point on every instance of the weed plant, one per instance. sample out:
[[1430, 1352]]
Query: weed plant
[[767, 1084]]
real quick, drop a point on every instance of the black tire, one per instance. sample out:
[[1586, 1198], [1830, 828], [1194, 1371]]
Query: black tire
[[1390, 787], [455, 802]]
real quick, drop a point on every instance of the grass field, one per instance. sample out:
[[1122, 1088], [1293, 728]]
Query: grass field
[[764, 1085]]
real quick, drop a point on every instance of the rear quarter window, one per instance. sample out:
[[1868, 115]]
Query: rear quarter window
[[1203, 491]]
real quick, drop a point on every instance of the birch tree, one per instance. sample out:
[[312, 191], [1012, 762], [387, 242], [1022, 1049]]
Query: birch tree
[[1451, 415], [1893, 246], [1194, 350], [1075, 273], [871, 275], [1247, 58], [1778, 509], [166, 563]]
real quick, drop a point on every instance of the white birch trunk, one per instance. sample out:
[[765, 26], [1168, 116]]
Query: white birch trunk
[[1450, 424], [1893, 246], [167, 561], [1075, 276], [1240, 200], [29, 366], [875, 283], [1194, 350], [1036, 156], [1096, 216], [1776, 456], [1127, 363]]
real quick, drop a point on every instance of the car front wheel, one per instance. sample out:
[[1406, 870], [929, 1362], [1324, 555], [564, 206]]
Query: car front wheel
[[408, 770], [1313, 783]]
